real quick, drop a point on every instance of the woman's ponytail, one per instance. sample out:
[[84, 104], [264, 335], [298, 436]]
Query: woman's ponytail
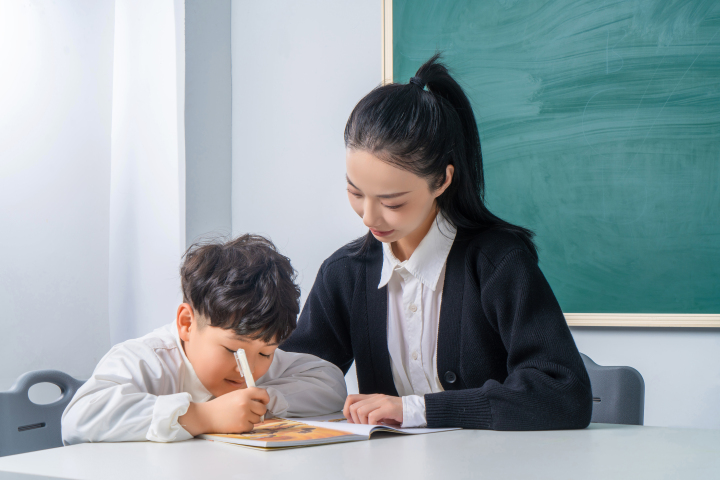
[[422, 127], [436, 77]]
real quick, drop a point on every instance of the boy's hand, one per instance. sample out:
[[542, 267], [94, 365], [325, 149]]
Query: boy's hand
[[234, 412], [374, 409], [238, 411]]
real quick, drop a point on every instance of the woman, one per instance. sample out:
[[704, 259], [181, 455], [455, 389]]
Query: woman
[[442, 305]]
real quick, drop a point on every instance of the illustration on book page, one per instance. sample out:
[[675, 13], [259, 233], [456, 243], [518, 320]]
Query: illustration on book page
[[281, 430]]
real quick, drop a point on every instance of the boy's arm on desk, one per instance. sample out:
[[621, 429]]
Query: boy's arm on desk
[[114, 404], [300, 384]]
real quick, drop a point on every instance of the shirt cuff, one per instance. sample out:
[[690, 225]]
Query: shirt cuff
[[164, 426], [413, 411], [277, 406]]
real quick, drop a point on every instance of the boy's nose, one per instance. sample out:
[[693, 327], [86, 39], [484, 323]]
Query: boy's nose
[[250, 364]]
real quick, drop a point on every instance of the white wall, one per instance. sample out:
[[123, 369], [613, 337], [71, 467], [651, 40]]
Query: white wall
[[55, 117], [298, 69], [208, 118], [146, 188]]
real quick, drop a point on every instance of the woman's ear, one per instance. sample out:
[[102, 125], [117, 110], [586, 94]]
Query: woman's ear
[[185, 321], [449, 171]]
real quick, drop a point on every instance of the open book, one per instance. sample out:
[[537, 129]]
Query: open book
[[303, 432]]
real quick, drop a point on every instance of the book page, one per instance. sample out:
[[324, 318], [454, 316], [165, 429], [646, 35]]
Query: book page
[[281, 431], [337, 421]]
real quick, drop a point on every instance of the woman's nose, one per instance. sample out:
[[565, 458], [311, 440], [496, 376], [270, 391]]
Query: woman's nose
[[370, 215]]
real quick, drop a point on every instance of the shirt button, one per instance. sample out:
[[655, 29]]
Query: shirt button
[[414, 355], [413, 308]]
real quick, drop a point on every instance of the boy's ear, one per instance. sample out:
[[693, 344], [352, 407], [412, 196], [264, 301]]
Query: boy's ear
[[185, 321]]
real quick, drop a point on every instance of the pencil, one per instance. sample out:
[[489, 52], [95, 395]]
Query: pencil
[[245, 371]]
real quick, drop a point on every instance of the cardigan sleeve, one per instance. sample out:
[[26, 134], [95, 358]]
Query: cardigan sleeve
[[322, 331], [547, 386]]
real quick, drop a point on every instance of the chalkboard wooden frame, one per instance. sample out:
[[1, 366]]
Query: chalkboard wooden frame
[[676, 320]]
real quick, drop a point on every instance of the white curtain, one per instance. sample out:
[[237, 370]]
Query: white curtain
[[147, 166], [91, 177], [56, 67]]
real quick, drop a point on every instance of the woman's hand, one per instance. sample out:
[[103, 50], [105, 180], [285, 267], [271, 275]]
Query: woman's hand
[[373, 409]]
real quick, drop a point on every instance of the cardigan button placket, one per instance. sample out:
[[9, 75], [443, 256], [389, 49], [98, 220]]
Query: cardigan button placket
[[450, 377]]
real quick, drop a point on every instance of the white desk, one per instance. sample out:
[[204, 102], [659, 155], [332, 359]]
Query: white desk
[[599, 452]]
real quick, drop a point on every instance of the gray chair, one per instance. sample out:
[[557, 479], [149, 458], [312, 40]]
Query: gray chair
[[618, 394], [26, 426]]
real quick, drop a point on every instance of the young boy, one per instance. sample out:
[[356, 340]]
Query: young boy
[[182, 380]]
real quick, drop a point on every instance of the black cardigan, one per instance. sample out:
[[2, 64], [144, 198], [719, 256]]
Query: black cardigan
[[505, 355]]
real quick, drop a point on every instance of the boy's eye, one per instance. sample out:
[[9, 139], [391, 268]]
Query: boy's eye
[[233, 352]]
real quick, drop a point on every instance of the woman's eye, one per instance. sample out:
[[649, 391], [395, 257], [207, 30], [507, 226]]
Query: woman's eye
[[356, 195], [393, 207], [263, 355]]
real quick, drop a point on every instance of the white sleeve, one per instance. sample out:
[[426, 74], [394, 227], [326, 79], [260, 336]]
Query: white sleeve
[[123, 401], [303, 385], [413, 411]]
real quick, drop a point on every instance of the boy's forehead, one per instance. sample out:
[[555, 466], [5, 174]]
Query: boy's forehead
[[231, 335]]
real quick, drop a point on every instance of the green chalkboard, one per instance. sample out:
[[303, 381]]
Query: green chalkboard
[[600, 129]]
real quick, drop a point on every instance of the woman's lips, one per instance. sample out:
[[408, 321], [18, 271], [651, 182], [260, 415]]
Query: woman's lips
[[233, 382], [378, 233]]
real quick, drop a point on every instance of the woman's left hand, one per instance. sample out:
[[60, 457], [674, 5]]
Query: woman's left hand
[[373, 409]]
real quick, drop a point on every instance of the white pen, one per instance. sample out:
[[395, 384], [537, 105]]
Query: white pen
[[245, 371]]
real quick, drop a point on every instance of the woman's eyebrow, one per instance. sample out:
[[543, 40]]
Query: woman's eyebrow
[[392, 195], [349, 182], [388, 195]]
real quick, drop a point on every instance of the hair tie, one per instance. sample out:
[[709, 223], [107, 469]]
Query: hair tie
[[418, 82]]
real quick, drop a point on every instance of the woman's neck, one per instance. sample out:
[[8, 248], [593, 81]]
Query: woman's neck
[[404, 248]]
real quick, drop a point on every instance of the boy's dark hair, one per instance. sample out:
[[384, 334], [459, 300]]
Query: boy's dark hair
[[245, 285]]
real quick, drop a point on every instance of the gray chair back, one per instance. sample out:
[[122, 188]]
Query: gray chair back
[[618, 394], [26, 426]]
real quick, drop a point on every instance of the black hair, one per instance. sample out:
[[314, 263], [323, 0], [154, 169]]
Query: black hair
[[244, 285], [422, 127]]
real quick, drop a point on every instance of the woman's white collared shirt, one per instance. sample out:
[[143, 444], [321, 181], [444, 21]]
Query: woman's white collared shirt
[[415, 289]]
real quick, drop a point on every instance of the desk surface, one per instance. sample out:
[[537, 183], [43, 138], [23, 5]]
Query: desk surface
[[598, 452]]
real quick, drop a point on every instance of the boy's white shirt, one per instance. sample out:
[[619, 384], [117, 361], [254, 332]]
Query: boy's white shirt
[[141, 387]]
